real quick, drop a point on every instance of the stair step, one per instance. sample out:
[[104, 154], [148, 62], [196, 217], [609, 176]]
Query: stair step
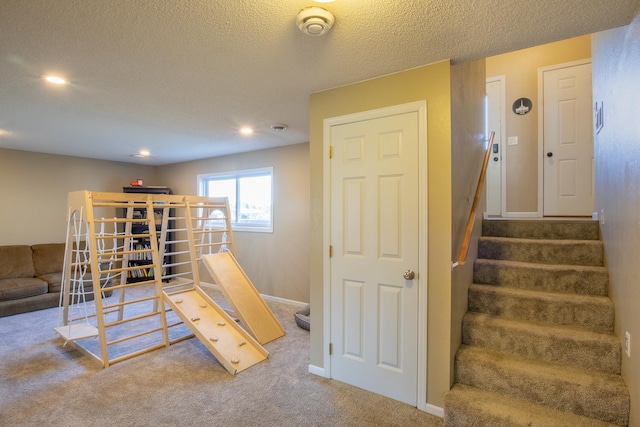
[[591, 394], [585, 280], [542, 229], [466, 406], [585, 349], [585, 311], [573, 252]]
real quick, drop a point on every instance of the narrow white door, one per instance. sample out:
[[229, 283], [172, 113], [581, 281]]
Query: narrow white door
[[568, 141], [374, 235], [495, 114]]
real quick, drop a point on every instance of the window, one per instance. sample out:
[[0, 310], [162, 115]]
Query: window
[[249, 193]]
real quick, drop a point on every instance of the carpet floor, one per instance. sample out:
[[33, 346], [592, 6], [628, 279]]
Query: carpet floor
[[44, 382]]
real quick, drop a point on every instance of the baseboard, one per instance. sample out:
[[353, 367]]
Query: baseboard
[[316, 370], [264, 297], [283, 300], [521, 215], [434, 410]]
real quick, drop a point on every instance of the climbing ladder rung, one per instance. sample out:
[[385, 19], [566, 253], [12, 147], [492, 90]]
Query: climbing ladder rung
[[206, 245], [176, 264], [134, 336], [131, 319], [136, 353], [135, 301], [132, 284], [174, 275], [176, 253], [211, 231], [119, 220]]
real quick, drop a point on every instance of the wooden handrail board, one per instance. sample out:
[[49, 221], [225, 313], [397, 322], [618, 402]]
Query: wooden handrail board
[[245, 300], [462, 257], [232, 346]]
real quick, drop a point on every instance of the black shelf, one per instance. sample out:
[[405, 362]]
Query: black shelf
[[143, 274]]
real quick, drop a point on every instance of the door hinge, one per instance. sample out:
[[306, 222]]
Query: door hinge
[[330, 349], [331, 152], [330, 251]]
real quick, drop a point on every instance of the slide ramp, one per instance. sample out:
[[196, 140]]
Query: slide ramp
[[243, 297], [232, 346]]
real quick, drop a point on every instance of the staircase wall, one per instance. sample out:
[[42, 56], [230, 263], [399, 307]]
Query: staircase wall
[[468, 88], [616, 66]]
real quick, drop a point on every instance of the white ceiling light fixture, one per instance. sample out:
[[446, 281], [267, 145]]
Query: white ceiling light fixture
[[142, 154], [315, 21], [55, 80]]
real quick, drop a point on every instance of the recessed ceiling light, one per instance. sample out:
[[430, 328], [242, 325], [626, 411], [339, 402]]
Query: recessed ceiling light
[[142, 153], [55, 80], [246, 131]]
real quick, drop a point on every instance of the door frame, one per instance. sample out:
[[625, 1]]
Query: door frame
[[421, 108], [541, 72], [503, 133]]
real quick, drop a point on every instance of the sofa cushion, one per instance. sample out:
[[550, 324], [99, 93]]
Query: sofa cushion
[[48, 258], [16, 261], [54, 281], [16, 288]]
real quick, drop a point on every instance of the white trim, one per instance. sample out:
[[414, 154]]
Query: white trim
[[434, 410], [317, 370], [503, 133], [541, 72], [421, 108], [263, 296], [521, 215]]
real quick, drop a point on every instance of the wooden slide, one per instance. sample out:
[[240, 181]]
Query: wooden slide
[[245, 300], [234, 348]]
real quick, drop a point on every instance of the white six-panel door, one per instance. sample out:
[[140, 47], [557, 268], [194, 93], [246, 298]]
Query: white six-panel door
[[375, 240], [568, 141]]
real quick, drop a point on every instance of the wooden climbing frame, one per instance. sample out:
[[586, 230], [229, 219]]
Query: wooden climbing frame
[[146, 248]]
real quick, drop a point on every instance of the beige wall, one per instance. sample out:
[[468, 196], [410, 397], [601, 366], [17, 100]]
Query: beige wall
[[277, 263], [35, 186], [616, 67], [468, 89], [430, 83], [520, 69], [34, 205]]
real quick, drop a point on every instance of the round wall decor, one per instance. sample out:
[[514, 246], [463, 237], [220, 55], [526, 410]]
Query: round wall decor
[[522, 106]]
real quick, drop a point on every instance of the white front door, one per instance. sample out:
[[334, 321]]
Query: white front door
[[495, 116], [375, 241], [568, 141]]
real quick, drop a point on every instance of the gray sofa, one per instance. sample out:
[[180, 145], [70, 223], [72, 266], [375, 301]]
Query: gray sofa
[[31, 277]]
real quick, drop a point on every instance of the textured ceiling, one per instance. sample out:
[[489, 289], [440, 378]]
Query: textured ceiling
[[180, 77]]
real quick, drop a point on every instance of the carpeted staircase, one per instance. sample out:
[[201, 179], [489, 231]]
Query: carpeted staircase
[[538, 347]]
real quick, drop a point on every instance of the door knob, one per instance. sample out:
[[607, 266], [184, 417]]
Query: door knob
[[549, 154], [409, 275]]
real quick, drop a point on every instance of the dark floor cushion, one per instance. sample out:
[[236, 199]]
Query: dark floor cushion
[[12, 289], [302, 317]]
